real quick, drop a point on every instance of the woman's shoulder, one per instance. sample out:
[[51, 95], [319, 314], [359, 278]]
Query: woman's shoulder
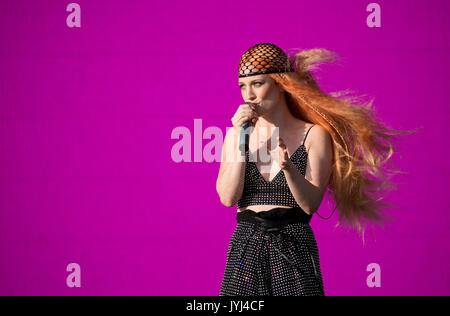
[[316, 129], [317, 136], [311, 129]]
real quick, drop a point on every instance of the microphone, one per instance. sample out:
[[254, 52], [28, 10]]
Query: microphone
[[244, 139]]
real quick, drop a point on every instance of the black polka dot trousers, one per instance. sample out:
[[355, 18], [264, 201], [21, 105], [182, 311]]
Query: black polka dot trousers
[[272, 253]]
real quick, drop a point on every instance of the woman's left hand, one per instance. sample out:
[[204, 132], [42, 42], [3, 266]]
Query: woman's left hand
[[284, 160]]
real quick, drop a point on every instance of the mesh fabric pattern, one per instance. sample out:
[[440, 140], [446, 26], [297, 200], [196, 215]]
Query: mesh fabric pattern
[[264, 58]]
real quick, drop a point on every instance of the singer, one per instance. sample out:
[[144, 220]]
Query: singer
[[325, 142]]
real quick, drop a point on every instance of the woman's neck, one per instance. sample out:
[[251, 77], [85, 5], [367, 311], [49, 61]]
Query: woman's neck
[[280, 117]]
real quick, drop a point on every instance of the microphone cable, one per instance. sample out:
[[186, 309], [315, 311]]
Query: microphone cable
[[328, 216]]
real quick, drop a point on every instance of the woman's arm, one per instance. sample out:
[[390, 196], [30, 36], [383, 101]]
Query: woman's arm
[[230, 181], [309, 190]]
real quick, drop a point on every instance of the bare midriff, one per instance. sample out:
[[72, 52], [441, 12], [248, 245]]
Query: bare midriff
[[261, 208]]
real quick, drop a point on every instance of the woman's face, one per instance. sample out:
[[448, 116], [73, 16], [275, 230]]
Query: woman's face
[[262, 90]]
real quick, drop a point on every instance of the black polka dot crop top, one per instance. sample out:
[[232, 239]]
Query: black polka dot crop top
[[259, 191]]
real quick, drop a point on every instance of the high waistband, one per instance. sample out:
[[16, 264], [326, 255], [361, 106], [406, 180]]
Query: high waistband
[[274, 219]]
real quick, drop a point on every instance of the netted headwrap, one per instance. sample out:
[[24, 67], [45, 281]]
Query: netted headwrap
[[264, 58]]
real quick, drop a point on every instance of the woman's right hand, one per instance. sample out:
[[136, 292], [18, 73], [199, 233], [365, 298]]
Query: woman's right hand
[[244, 113]]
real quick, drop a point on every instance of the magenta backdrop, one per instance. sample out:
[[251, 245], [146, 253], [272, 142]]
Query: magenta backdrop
[[87, 115]]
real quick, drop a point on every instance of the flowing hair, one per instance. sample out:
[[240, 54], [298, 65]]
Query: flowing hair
[[361, 143]]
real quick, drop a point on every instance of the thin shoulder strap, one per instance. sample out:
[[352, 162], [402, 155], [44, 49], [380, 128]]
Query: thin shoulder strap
[[306, 135]]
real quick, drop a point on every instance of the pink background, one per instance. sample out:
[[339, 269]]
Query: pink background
[[87, 114]]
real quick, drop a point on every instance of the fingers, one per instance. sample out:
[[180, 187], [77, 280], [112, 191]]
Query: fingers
[[284, 152], [244, 119], [249, 115], [281, 143], [246, 112], [254, 109], [251, 108], [241, 121]]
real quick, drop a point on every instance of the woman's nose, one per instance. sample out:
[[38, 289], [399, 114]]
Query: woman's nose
[[250, 94]]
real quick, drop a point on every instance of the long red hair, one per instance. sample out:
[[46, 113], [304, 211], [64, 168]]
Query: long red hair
[[362, 144]]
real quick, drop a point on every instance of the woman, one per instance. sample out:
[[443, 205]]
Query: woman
[[324, 142]]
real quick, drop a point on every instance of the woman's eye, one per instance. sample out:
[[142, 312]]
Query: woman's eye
[[256, 83]]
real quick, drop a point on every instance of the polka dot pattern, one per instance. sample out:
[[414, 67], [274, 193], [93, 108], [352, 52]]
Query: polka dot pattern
[[259, 191], [282, 263]]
